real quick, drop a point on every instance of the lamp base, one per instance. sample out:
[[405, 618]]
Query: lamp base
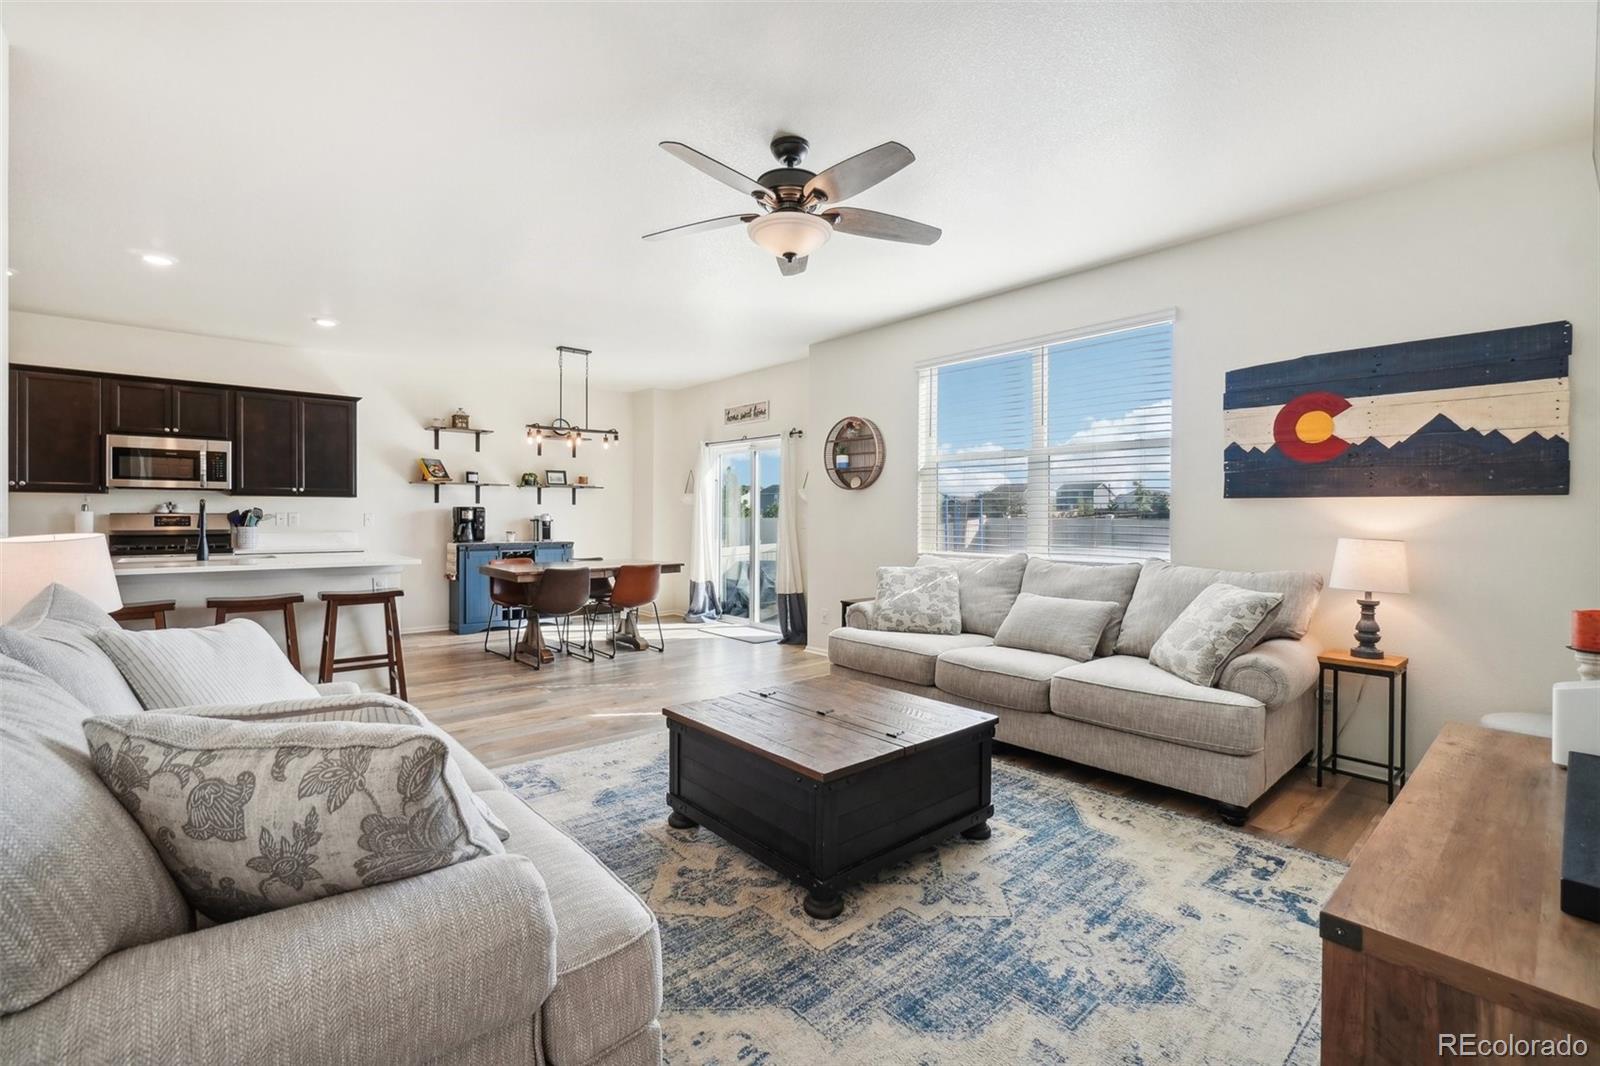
[[1367, 631]]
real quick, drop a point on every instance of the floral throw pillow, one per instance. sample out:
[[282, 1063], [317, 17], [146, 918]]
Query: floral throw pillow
[[252, 817], [1222, 622], [918, 599]]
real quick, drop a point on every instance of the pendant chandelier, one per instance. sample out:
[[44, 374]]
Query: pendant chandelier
[[561, 431]]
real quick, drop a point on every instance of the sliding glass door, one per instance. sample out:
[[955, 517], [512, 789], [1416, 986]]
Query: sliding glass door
[[747, 534]]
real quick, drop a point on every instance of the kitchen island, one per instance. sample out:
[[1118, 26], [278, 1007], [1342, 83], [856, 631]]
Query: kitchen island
[[189, 582]]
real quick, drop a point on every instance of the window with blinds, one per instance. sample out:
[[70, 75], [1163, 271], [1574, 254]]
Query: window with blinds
[[1062, 449]]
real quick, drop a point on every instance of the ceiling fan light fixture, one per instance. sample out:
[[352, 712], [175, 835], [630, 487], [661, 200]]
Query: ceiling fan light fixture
[[790, 234]]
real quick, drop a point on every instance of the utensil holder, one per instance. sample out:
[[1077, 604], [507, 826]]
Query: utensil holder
[[246, 538]]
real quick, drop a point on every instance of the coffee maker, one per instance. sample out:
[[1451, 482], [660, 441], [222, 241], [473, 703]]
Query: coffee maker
[[543, 527], [468, 523]]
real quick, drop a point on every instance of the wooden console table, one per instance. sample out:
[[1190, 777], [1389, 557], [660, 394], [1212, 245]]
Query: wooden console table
[[1448, 921]]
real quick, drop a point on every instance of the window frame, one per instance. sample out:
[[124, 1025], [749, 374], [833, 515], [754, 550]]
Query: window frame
[[1039, 455]]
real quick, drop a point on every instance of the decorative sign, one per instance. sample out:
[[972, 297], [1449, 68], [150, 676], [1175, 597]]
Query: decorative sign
[[745, 412], [1483, 414]]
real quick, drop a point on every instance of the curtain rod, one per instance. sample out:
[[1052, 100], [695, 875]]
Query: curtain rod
[[747, 440]]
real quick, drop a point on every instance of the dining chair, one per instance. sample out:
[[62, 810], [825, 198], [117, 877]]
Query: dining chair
[[562, 593], [506, 598], [635, 587]]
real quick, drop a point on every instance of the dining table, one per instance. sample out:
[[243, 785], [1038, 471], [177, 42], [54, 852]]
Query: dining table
[[525, 575]]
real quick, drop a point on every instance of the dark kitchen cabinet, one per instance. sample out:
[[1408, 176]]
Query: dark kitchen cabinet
[[55, 432], [158, 408], [328, 447], [202, 411], [292, 445]]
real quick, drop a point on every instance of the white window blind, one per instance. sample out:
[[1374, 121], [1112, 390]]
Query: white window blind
[[1062, 449]]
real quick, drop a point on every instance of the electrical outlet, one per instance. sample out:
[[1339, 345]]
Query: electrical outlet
[[366, 519], [294, 518]]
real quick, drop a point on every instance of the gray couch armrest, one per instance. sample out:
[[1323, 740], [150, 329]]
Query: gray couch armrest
[[397, 973], [863, 615], [1274, 671], [356, 706]]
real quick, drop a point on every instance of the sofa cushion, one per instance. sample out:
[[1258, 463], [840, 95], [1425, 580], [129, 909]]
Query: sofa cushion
[[1130, 694], [1085, 581], [906, 657], [77, 878], [1222, 622], [236, 662], [608, 948], [252, 816], [918, 599], [1006, 677], [1164, 590], [989, 584], [54, 634], [1056, 626]]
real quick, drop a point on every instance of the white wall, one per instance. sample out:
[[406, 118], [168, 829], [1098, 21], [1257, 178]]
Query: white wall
[[397, 399], [1507, 243], [682, 420]]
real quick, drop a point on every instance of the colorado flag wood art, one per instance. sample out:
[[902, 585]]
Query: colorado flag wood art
[[1475, 415]]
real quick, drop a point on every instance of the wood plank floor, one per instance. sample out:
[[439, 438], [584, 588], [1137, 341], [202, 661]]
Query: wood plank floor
[[506, 713]]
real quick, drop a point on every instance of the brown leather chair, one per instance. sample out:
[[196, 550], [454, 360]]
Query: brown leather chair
[[635, 588], [509, 600], [563, 592]]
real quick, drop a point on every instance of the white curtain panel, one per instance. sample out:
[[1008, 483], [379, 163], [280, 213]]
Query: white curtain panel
[[791, 573], [703, 602]]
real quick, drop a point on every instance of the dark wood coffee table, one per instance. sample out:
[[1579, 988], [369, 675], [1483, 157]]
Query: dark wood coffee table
[[828, 781]]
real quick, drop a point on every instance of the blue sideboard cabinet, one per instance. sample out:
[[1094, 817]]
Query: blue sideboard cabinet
[[469, 592]]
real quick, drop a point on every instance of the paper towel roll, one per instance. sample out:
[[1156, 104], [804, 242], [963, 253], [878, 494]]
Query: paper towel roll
[[83, 521]]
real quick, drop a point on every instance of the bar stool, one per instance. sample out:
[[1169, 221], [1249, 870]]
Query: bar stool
[[146, 611], [393, 658], [284, 602]]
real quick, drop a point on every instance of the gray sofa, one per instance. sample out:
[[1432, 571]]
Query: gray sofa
[[1115, 711], [540, 955]]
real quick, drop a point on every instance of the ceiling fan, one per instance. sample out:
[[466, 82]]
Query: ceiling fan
[[797, 209]]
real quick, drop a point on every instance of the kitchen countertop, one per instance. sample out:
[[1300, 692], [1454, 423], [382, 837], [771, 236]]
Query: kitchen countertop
[[244, 564]]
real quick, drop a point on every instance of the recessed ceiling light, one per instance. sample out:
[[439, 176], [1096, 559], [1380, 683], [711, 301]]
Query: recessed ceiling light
[[325, 322], [157, 259]]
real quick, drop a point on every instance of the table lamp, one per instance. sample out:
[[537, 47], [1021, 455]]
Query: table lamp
[[80, 561], [1369, 566]]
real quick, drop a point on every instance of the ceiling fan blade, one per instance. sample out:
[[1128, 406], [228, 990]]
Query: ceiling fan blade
[[721, 171], [859, 223], [790, 268], [860, 172], [699, 227]]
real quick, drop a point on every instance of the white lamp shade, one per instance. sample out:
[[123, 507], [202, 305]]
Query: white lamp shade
[[1370, 566], [796, 233], [80, 561]]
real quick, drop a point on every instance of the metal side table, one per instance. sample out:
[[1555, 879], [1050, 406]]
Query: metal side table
[[1393, 669]]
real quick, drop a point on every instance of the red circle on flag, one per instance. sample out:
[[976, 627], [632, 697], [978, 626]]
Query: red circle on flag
[[1303, 439]]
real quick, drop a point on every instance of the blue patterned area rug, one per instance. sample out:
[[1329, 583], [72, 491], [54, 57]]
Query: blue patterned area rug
[[1088, 929]]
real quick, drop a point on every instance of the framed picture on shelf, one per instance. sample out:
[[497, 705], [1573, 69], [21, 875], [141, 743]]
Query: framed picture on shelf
[[433, 470], [552, 478], [471, 476]]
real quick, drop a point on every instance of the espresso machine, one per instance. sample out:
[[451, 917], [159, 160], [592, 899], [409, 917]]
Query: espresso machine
[[468, 524], [543, 527]]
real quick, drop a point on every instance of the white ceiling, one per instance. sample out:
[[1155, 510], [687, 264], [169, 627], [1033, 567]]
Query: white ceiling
[[471, 181]]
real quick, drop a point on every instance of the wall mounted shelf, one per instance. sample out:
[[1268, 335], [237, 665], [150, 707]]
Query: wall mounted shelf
[[538, 490], [477, 435], [475, 486]]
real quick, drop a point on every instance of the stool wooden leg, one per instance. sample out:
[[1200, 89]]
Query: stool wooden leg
[[291, 636], [161, 619], [222, 616], [330, 629], [397, 653]]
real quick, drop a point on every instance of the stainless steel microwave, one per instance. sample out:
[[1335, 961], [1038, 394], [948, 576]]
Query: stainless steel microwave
[[168, 463]]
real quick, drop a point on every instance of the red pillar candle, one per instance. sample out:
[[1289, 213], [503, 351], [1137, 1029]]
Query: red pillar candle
[[1586, 631]]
